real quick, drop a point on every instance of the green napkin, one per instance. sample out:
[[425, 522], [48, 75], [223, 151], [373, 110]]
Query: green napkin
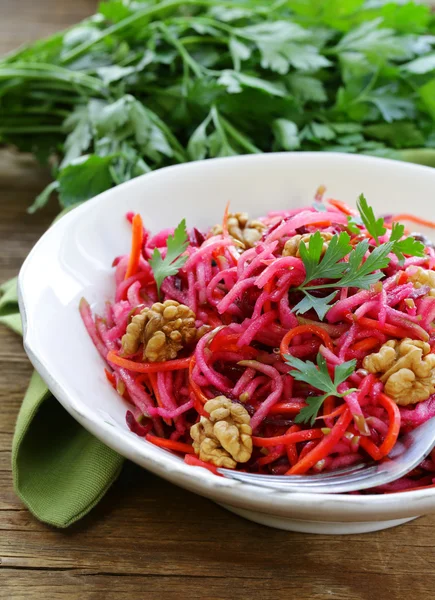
[[60, 470]]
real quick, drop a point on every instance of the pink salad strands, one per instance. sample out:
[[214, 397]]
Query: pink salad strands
[[244, 298]]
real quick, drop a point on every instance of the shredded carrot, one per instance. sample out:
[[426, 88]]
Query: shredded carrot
[[366, 344], [342, 206], [229, 343], [110, 378], [402, 278], [307, 448], [220, 341], [392, 330], [324, 223], [300, 330], [335, 413], [414, 219], [288, 438], [212, 319], [225, 220], [148, 367], [191, 459], [170, 444], [271, 457], [199, 397], [392, 434], [291, 449], [324, 447], [286, 408], [136, 246]]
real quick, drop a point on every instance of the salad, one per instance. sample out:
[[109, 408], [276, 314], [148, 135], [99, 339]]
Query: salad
[[298, 342]]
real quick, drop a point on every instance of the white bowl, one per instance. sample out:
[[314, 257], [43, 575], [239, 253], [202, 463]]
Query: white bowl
[[73, 259]]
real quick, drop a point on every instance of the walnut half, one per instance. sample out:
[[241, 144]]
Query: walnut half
[[225, 438], [291, 247], [247, 233], [164, 329], [407, 369]]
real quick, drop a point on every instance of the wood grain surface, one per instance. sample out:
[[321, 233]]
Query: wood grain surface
[[147, 538]]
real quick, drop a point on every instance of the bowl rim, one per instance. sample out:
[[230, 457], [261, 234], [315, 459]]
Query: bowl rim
[[327, 506]]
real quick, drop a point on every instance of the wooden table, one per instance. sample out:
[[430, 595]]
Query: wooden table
[[147, 538]]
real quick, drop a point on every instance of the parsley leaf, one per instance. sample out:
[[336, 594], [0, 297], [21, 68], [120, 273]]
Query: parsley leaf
[[359, 271], [307, 88], [390, 105], [282, 45], [409, 246], [364, 273], [329, 267], [374, 226], [286, 134], [402, 134], [239, 52], [320, 305], [362, 268], [170, 265], [84, 178], [42, 198], [319, 378], [422, 65], [235, 82], [372, 40]]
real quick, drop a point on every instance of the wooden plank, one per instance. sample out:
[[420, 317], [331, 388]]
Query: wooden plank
[[64, 584], [23, 21], [147, 538]]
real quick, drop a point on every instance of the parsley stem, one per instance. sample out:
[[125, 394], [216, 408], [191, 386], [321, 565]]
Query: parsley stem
[[242, 140], [320, 286], [187, 59], [32, 129], [197, 39], [219, 126]]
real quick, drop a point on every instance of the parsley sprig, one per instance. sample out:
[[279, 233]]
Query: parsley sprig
[[409, 246], [363, 266], [373, 225], [170, 265], [319, 378], [358, 271], [376, 227]]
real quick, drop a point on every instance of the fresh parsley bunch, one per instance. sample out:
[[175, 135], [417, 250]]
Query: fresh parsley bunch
[[147, 83]]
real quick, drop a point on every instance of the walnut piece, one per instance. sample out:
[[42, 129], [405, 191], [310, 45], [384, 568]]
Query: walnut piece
[[419, 277], [164, 329], [247, 233], [407, 368], [291, 247], [225, 438]]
